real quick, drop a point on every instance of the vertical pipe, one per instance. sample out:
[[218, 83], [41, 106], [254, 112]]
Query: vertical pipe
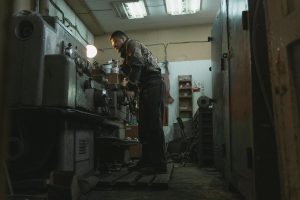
[[44, 7], [37, 5]]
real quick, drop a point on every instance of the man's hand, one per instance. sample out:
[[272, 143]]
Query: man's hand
[[124, 82], [130, 95]]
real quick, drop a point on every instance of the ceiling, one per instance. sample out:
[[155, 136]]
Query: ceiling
[[100, 18]]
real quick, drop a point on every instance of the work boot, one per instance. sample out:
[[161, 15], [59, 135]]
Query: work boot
[[136, 167]]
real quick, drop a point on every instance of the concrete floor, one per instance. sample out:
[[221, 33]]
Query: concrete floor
[[187, 183]]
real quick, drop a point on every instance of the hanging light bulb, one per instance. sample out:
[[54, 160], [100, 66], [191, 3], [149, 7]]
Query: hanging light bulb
[[91, 51]]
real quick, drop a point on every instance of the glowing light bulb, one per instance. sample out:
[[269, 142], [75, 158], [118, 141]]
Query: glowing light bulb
[[91, 51]]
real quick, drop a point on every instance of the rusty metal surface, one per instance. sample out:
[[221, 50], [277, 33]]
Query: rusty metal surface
[[243, 120], [240, 100], [226, 93], [221, 90], [232, 86], [232, 93], [265, 159], [218, 96], [283, 33]]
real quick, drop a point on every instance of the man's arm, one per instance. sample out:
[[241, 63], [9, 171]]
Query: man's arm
[[136, 61]]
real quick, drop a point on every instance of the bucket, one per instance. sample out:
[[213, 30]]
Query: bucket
[[107, 68]]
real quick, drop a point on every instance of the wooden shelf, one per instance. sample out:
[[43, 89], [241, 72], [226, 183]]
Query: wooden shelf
[[185, 96]]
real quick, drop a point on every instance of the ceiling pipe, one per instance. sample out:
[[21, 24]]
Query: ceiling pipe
[[59, 10]]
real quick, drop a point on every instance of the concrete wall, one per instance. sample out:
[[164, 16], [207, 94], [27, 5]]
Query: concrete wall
[[172, 44]]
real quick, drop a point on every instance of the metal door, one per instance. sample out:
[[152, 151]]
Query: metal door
[[218, 85], [220, 74], [226, 145], [264, 144], [283, 33], [240, 87]]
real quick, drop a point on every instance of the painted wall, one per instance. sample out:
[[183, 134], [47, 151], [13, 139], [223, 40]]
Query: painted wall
[[172, 44], [68, 13], [201, 76]]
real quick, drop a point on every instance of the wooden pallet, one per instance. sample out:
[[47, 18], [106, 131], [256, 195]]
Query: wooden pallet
[[135, 179]]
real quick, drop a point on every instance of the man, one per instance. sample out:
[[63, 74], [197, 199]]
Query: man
[[144, 79]]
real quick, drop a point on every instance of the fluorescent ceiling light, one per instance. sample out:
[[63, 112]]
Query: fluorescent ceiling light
[[131, 9], [181, 7]]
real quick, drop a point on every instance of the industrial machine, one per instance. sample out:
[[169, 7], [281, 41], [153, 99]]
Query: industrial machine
[[51, 68], [56, 104]]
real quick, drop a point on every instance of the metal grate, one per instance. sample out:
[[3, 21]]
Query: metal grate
[[83, 146]]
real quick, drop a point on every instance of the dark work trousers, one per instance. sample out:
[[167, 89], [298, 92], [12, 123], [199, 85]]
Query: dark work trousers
[[151, 134]]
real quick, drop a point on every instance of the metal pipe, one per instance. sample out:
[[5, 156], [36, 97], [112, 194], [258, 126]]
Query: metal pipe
[[37, 5], [43, 7], [58, 8], [165, 46]]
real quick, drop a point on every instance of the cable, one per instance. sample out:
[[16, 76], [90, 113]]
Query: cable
[[164, 45], [76, 29], [58, 8]]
